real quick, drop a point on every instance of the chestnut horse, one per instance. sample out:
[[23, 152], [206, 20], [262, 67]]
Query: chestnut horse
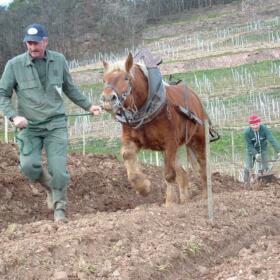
[[126, 90]]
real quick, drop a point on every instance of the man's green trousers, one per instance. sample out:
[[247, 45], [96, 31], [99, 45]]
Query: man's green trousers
[[31, 142]]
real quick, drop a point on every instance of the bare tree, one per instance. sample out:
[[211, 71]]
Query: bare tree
[[80, 28]]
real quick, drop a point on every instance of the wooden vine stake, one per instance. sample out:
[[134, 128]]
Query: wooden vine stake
[[208, 172]]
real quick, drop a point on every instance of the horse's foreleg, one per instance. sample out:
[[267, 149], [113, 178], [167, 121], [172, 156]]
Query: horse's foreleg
[[135, 175], [170, 177]]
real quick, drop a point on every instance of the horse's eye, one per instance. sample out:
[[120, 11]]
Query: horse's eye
[[126, 77]]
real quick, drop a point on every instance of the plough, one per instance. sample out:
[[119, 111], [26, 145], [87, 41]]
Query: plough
[[261, 178]]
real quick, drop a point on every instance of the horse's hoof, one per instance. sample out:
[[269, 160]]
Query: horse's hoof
[[184, 200], [145, 188], [169, 204], [204, 195]]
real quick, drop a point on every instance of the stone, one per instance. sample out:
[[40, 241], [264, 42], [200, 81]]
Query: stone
[[60, 275], [2, 267]]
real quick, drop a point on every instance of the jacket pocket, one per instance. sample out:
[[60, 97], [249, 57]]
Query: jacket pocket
[[29, 94], [25, 85]]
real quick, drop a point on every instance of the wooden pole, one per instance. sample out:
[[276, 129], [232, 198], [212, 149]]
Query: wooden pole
[[84, 138], [208, 172], [157, 159], [233, 154]]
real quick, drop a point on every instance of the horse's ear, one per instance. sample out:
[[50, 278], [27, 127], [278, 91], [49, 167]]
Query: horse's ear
[[128, 62], [105, 64]]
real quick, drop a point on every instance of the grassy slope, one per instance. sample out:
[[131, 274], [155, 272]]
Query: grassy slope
[[226, 31]]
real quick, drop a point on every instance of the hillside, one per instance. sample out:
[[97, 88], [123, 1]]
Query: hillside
[[228, 54], [177, 39]]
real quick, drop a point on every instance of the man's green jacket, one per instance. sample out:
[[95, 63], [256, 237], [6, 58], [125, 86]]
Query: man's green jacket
[[256, 142], [35, 102]]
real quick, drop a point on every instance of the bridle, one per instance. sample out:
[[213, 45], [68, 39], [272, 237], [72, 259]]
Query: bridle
[[119, 99], [133, 116]]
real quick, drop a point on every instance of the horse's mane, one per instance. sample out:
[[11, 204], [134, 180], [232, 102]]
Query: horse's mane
[[143, 68], [116, 66], [145, 71], [120, 66]]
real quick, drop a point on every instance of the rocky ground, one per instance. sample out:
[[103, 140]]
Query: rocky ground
[[112, 233]]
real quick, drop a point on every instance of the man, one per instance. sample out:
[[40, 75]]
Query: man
[[257, 137], [40, 77]]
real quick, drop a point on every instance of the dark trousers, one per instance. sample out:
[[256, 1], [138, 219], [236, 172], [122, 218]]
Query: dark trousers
[[250, 161]]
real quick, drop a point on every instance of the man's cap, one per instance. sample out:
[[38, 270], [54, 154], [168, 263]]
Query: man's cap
[[254, 119], [35, 32]]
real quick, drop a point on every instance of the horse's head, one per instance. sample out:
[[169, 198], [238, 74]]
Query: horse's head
[[120, 83]]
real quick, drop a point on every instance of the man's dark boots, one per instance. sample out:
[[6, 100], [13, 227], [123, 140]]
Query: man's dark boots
[[59, 212]]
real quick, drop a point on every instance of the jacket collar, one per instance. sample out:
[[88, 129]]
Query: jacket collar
[[28, 58], [261, 126]]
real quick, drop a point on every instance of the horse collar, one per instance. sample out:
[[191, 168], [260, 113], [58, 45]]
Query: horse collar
[[152, 107]]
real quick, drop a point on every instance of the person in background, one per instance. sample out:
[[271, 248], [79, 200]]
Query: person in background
[[40, 77], [257, 136]]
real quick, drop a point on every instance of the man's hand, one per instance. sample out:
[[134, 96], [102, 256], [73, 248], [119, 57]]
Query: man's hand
[[20, 122], [95, 110], [258, 157]]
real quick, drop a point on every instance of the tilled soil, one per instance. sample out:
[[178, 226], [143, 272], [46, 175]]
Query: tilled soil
[[113, 233]]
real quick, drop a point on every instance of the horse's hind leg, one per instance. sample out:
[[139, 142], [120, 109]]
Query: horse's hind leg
[[199, 153], [170, 177], [135, 175], [183, 183]]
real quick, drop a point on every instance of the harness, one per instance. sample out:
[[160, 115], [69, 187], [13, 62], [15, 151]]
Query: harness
[[135, 117], [214, 135], [155, 102]]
